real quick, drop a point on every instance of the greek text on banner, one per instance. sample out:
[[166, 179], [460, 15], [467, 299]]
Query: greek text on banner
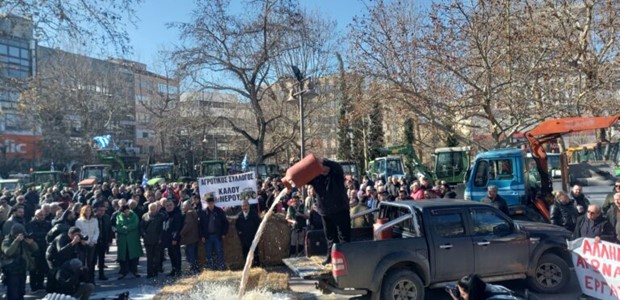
[[597, 265], [229, 190]]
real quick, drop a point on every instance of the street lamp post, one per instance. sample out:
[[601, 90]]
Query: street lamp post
[[297, 93]]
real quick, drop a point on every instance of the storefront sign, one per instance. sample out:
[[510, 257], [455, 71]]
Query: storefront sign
[[20, 146]]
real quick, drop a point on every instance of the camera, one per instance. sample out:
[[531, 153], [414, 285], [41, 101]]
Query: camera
[[28, 235], [452, 290], [82, 237]]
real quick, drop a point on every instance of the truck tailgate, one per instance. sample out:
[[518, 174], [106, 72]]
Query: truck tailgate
[[308, 267]]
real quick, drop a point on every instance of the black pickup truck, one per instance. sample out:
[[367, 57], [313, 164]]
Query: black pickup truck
[[431, 243]]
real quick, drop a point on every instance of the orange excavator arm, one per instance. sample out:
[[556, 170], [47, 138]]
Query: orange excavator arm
[[568, 125], [554, 128]]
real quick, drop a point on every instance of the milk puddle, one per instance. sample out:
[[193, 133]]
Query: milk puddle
[[209, 290]]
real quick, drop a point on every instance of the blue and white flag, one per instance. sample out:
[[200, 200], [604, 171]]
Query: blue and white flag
[[144, 181], [244, 163], [103, 140]]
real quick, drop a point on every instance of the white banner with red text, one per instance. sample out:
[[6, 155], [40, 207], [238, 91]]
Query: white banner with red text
[[597, 265], [229, 190]]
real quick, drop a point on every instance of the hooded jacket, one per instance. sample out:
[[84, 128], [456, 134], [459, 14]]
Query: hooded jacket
[[59, 226], [17, 255]]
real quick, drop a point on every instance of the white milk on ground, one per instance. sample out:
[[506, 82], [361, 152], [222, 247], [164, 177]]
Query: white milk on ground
[[208, 290]]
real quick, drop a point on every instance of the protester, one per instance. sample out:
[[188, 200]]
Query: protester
[[128, 244], [564, 212], [213, 228], [5, 209], [613, 216], [471, 287], [61, 250], [594, 225], [61, 225], [581, 201], [247, 224], [495, 199], [190, 235], [17, 250], [105, 237], [296, 218], [151, 229], [90, 230], [357, 207], [38, 228], [171, 237], [332, 204], [609, 199], [71, 279], [16, 217]]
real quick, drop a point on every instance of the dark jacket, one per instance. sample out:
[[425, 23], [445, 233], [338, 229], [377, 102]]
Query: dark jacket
[[32, 197], [190, 234], [600, 227], [221, 223], [172, 227], [59, 227], [609, 200], [106, 235], [66, 279], [331, 194], [612, 218], [498, 202], [6, 227], [247, 227], [316, 222], [564, 215], [581, 200], [39, 230], [151, 228], [60, 251]]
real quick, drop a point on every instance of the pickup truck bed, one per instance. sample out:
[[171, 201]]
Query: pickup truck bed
[[308, 267], [430, 243]]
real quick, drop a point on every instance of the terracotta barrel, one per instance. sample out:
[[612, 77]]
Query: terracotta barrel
[[386, 233], [302, 172]]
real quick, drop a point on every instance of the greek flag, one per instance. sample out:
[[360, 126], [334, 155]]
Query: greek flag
[[144, 181], [244, 163], [103, 140]]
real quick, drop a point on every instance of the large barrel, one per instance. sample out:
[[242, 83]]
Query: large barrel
[[302, 172], [386, 234]]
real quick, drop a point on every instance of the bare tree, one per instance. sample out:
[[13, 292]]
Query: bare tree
[[248, 55], [491, 66], [75, 98], [158, 97], [92, 21]]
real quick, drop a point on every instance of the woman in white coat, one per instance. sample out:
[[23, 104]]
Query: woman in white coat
[[90, 230]]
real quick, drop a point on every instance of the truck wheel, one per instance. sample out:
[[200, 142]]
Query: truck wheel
[[402, 284], [551, 275]]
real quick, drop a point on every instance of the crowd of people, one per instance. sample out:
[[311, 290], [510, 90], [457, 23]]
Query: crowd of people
[[574, 212], [60, 237]]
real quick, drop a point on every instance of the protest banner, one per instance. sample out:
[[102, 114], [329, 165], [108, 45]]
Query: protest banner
[[229, 190], [597, 266]]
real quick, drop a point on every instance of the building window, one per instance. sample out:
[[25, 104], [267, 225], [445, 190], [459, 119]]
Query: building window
[[14, 51], [11, 121], [145, 135]]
